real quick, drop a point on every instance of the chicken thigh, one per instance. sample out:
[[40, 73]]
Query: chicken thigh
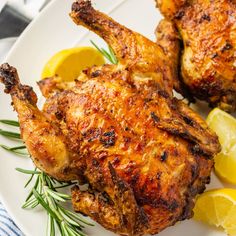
[[208, 61], [118, 128]]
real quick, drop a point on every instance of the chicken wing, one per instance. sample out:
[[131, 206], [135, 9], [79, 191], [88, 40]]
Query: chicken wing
[[208, 62], [144, 154]]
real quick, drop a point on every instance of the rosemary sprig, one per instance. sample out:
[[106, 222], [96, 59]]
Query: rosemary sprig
[[109, 55], [16, 150], [10, 134], [15, 135], [45, 193], [28, 172], [10, 122]]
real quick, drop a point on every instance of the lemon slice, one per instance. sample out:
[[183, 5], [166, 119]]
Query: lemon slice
[[69, 63], [225, 127], [218, 207]]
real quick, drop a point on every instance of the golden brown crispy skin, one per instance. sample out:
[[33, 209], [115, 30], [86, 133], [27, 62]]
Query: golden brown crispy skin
[[133, 51], [144, 153], [168, 39], [208, 31]]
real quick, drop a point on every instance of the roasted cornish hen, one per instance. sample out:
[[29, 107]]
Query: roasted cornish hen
[[144, 154], [208, 61]]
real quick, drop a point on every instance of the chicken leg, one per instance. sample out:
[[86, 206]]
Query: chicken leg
[[43, 139]]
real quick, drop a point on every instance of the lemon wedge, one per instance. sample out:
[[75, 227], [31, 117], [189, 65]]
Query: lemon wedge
[[69, 63], [225, 127], [218, 207]]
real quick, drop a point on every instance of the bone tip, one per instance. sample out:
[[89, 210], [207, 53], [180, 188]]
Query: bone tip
[[81, 5], [8, 76], [7, 68]]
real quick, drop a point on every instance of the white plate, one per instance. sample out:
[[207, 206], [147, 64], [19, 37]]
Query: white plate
[[53, 30]]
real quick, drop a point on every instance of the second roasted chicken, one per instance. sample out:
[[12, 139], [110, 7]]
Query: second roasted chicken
[[207, 30], [144, 154]]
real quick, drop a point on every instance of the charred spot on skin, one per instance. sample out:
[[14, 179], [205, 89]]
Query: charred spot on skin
[[207, 181], [187, 213], [95, 74], [134, 179], [173, 206], [106, 198], [179, 15], [28, 94], [205, 17], [116, 180], [102, 155], [155, 117], [163, 94], [112, 24], [92, 134], [59, 115], [108, 138], [81, 5], [146, 100], [176, 132], [187, 43], [196, 150], [164, 156], [214, 55], [32, 117], [227, 47], [194, 171], [124, 51], [8, 76], [142, 220], [188, 120], [116, 161], [130, 167], [95, 163], [159, 175], [193, 191], [126, 128], [159, 202], [85, 71]]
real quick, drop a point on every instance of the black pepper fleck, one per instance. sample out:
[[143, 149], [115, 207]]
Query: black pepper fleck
[[227, 47], [155, 117], [108, 139], [179, 15], [164, 156], [214, 55], [206, 17]]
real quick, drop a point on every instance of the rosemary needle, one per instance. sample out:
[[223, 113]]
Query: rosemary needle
[[16, 150], [29, 172], [109, 55], [10, 122], [10, 134]]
